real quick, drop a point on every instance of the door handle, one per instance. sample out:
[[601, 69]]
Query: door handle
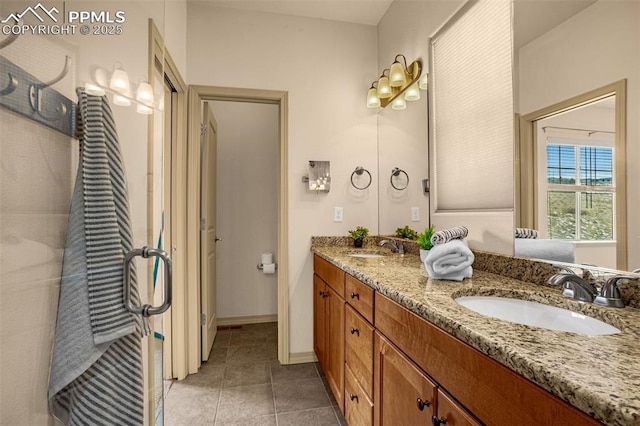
[[147, 310], [218, 239]]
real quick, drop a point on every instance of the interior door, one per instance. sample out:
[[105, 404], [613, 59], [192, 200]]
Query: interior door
[[208, 229]]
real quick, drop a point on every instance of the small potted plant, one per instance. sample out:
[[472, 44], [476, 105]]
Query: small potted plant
[[424, 240], [358, 235], [407, 233]]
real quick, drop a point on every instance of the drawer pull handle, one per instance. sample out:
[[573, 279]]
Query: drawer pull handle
[[354, 331], [421, 404], [437, 421], [355, 295], [353, 397], [324, 294]]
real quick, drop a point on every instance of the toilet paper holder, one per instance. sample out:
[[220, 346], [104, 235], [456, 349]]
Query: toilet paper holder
[[261, 267]]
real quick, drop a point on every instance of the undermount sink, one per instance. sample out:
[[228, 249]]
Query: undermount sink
[[366, 255], [536, 315]]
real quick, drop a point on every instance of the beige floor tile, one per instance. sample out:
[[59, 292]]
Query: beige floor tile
[[324, 416], [300, 395], [244, 402]]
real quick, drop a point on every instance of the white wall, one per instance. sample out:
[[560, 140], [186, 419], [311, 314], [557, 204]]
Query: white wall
[[403, 135], [596, 47], [247, 207], [326, 67]]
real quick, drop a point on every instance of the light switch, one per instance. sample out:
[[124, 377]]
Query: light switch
[[415, 214], [337, 214]]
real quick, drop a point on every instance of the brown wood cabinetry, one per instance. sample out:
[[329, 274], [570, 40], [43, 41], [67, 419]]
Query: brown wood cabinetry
[[386, 366], [404, 395], [358, 408], [328, 324]]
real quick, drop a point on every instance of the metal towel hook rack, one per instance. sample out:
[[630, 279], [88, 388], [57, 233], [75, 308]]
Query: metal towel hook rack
[[395, 173], [360, 171], [35, 90]]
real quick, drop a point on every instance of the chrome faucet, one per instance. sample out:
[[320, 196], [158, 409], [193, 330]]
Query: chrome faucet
[[396, 247], [574, 286], [610, 293]]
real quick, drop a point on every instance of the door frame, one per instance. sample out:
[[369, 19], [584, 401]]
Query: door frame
[[526, 166], [174, 320], [197, 94]]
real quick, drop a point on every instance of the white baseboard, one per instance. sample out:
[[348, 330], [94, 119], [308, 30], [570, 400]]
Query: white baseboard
[[254, 319], [302, 357]]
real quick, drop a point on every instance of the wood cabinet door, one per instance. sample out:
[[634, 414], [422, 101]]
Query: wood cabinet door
[[358, 351], [319, 321], [450, 413], [334, 344], [403, 394]]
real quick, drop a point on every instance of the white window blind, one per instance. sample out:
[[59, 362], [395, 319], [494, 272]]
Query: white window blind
[[473, 109]]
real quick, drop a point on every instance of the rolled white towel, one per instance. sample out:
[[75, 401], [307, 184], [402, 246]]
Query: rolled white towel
[[456, 233], [450, 261], [526, 233]]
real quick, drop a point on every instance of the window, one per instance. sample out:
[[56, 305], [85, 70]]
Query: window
[[580, 191]]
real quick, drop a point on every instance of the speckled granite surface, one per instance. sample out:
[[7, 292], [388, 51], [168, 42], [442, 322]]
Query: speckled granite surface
[[599, 375]]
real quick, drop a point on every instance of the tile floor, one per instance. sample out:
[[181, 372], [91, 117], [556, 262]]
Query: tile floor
[[244, 384]]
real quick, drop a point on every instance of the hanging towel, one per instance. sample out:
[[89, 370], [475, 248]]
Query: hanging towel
[[96, 367], [457, 233], [450, 261]]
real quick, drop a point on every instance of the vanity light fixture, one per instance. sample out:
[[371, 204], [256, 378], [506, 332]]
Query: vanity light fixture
[[373, 101], [424, 82], [384, 88], [397, 74], [119, 80], [119, 86], [399, 104], [396, 85]]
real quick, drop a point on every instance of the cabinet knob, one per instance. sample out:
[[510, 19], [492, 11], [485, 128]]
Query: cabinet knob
[[355, 295], [354, 330], [421, 404], [437, 421], [323, 293], [353, 397]]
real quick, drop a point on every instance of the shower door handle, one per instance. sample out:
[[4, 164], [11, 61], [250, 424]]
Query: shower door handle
[[147, 310]]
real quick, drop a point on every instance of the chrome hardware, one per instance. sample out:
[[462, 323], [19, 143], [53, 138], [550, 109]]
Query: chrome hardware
[[354, 331], [421, 404], [355, 295], [353, 397], [396, 247], [218, 239], [610, 293], [575, 287], [147, 310]]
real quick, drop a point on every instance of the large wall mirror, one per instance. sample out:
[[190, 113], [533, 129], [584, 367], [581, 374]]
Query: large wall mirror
[[575, 62]]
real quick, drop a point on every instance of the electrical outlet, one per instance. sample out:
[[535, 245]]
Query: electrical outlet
[[337, 214], [415, 214]]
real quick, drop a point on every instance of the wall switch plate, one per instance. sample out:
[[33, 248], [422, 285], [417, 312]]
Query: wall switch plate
[[415, 214], [337, 214]]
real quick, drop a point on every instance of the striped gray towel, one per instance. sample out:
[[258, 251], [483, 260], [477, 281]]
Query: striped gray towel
[[526, 233], [96, 368], [457, 233]]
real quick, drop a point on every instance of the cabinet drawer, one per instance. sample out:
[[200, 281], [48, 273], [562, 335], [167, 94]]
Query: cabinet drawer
[[358, 408], [451, 414], [360, 296], [359, 348], [492, 392], [330, 273]]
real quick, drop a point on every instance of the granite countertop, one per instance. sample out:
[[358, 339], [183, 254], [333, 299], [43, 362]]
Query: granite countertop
[[599, 375]]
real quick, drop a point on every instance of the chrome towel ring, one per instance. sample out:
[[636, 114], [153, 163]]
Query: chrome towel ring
[[395, 173], [359, 171]]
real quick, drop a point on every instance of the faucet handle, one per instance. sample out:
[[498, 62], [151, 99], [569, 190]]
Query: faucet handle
[[610, 293]]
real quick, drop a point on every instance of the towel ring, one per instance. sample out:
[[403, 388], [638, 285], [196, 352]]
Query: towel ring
[[359, 171], [396, 172]]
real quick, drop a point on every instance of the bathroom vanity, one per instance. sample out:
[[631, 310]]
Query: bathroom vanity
[[397, 349]]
